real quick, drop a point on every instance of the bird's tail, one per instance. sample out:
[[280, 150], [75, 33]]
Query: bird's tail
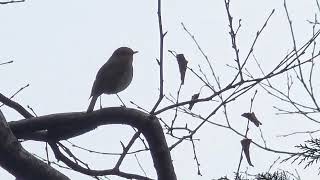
[[92, 103]]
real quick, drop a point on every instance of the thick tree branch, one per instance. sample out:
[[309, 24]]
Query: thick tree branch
[[21, 163], [66, 125]]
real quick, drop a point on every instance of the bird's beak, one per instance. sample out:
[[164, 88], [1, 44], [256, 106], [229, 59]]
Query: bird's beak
[[134, 52]]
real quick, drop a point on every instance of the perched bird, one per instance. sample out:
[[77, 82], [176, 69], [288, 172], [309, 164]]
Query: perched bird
[[114, 76]]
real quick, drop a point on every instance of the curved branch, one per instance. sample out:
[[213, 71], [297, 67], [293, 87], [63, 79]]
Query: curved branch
[[67, 125]]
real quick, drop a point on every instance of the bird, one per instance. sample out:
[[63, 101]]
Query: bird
[[114, 76]]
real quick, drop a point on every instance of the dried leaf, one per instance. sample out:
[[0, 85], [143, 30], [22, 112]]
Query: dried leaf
[[252, 117], [182, 62], [194, 97], [245, 147]]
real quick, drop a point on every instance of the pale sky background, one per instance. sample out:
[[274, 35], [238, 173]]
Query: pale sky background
[[58, 46]]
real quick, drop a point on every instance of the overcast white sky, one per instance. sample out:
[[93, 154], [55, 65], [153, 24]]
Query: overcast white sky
[[58, 46]]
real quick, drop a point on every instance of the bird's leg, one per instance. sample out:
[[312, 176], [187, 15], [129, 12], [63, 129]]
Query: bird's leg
[[92, 103], [100, 102], [123, 105]]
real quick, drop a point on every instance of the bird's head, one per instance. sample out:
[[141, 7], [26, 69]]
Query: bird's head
[[124, 52]]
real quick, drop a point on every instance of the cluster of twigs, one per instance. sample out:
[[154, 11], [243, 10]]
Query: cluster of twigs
[[242, 82], [302, 79]]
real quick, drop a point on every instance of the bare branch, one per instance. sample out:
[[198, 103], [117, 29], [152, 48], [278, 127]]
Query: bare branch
[[10, 2], [162, 35], [15, 106]]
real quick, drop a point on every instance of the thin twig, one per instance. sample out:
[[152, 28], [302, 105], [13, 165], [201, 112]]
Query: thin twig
[[234, 38], [126, 149], [162, 35], [9, 2], [8, 62]]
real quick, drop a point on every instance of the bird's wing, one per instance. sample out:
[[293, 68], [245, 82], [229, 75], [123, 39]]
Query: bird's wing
[[106, 78]]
